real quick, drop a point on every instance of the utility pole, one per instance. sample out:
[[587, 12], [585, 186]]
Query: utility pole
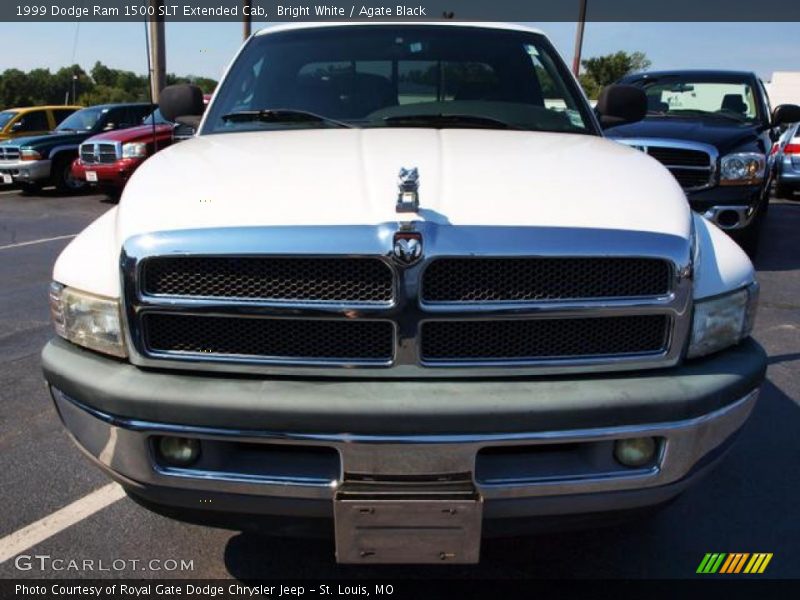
[[158, 53], [576, 62], [246, 29]]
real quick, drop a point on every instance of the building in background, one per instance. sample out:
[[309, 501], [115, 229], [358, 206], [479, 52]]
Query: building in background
[[784, 88]]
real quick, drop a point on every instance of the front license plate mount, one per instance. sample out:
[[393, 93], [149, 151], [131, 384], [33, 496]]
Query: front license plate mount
[[6, 178], [408, 524], [91, 176]]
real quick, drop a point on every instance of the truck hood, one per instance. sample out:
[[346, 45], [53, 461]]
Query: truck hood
[[49, 140], [726, 136], [133, 134], [349, 177]]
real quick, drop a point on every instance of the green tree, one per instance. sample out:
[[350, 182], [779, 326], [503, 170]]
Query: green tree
[[101, 85], [605, 70], [589, 85]]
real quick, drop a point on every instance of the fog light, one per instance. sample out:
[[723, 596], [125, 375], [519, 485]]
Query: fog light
[[635, 452], [177, 451]]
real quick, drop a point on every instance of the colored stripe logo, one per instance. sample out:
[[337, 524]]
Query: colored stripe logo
[[733, 563]]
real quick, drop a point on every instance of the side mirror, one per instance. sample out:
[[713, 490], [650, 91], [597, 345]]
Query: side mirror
[[620, 104], [182, 103], [785, 114]]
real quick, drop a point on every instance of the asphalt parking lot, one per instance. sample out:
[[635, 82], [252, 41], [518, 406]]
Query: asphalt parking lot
[[749, 504]]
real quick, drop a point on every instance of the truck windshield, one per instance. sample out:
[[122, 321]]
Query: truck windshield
[[5, 117], [159, 118], [82, 120], [686, 97], [399, 76]]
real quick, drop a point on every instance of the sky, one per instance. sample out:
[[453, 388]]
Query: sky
[[205, 49]]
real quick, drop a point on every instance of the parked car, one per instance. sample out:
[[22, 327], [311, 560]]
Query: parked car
[[47, 159], [787, 163], [32, 120], [401, 282], [714, 131], [108, 160]]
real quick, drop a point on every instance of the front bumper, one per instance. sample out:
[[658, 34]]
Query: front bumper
[[284, 447], [113, 175], [27, 171], [729, 207]]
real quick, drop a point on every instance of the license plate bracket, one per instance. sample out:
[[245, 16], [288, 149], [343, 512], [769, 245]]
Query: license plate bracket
[[383, 524]]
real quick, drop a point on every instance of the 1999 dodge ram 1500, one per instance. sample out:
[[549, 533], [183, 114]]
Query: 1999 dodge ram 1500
[[375, 289]]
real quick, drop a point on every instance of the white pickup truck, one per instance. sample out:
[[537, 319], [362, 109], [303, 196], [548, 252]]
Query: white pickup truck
[[400, 284]]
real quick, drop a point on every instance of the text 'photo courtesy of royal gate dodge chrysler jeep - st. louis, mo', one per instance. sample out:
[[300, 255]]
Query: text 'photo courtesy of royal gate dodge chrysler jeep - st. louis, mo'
[[409, 315]]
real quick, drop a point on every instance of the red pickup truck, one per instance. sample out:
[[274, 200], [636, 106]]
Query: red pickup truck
[[108, 160]]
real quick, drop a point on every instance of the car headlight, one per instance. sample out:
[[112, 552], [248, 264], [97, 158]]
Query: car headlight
[[87, 320], [723, 321], [742, 168], [134, 150], [29, 154]]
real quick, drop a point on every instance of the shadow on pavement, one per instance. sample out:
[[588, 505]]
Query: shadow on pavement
[[780, 250]]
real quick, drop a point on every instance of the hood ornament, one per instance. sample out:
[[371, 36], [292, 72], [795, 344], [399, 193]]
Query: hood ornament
[[408, 190]]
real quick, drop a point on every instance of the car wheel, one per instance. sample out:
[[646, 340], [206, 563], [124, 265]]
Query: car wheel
[[63, 179], [30, 189]]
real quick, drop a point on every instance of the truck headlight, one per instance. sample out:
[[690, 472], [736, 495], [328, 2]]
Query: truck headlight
[[742, 168], [723, 321], [134, 150], [87, 320], [29, 154]]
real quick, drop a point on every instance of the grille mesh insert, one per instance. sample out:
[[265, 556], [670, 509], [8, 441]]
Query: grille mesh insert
[[271, 278], [270, 338], [543, 338], [529, 279], [679, 157]]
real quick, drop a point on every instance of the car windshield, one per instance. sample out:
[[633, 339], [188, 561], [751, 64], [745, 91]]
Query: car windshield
[[686, 97], [159, 118], [5, 117], [399, 76], [82, 120]]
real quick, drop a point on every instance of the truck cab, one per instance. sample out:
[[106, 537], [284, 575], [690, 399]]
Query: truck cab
[[400, 285], [714, 131]]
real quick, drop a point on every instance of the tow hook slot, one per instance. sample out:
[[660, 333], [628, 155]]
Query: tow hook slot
[[421, 521]]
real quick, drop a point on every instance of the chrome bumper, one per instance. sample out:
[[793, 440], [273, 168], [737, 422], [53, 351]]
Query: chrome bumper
[[27, 170], [124, 447]]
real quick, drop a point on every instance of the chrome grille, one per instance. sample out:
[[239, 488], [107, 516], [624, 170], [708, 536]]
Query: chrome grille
[[251, 299], [543, 338], [271, 278], [9, 153], [530, 279], [282, 339], [693, 164], [99, 153]]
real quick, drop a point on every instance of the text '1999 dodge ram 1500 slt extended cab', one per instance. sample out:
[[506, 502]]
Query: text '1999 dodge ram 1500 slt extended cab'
[[375, 290]]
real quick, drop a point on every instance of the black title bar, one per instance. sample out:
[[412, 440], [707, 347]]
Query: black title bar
[[388, 10]]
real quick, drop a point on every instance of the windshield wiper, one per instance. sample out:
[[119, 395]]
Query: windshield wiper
[[280, 115], [452, 120]]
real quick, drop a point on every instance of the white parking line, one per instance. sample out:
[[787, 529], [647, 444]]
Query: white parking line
[[27, 537], [42, 241]]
